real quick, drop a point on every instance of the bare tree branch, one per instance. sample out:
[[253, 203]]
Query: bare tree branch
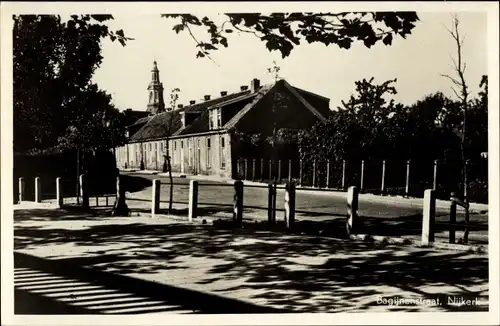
[[456, 82], [456, 94]]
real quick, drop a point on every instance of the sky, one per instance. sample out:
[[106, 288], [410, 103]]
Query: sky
[[417, 61]]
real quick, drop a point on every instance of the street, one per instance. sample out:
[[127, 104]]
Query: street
[[215, 199], [138, 264]]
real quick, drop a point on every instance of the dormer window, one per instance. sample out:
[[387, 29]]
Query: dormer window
[[219, 119], [211, 119], [215, 118]]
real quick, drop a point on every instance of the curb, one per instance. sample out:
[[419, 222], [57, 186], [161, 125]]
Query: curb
[[479, 249], [376, 239]]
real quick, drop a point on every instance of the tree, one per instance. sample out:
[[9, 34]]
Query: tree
[[461, 91], [53, 65], [169, 129], [283, 31]]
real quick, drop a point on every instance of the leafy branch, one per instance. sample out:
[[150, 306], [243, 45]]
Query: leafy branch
[[283, 31]]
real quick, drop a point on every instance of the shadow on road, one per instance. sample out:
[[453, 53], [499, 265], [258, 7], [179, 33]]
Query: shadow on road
[[282, 270], [170, 298]]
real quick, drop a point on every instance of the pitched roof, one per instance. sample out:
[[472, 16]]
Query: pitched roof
[[158, 125], [141, 121], [241, 113], [261, 93]]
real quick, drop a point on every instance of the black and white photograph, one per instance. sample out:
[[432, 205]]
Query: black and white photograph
[[249, 163]]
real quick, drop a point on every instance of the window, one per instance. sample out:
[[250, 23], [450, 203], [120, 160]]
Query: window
[[162, 147], [182, 144], [149, 146], [211, 119], [198, 143], [221, 153], [219, 119], [208, 153], [190, 153], [175, 145]]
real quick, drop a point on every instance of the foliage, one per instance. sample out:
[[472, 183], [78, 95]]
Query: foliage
[[54, 99], [283, 31]]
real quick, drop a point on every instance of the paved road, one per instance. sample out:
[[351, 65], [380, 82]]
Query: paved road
[[143, 265], [216, 198]]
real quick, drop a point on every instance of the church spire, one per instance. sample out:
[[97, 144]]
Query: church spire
[[155, 88]]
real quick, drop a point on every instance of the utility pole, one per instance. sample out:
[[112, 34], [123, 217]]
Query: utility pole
[[275, 73]]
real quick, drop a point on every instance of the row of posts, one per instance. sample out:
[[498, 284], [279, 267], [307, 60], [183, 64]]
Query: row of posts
[[314, 173], [354, 222], [83, 193], [238, 203]]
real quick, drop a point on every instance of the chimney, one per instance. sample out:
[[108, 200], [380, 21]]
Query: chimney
[[255, 85], [207, 97], [192, 102], [180, 106], [244, 87], [223, 93]]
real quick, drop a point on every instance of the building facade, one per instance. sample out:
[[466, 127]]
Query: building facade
[[199, 137]]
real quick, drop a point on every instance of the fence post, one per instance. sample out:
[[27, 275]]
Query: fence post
[[279, 171], [246, 169], [407, 189], [238, 203], [453, 217], [59, 192], [155, 205], [271, 203], [21, 189], [193, 199], [253, 169], [300, 173], [328, 174], [382, 187], [270, 169], [290, 205], [353, 220], [289, 170], [343, 174], [38, 190], [261, 169], [428, 217], [314, 174], [434, 183], [83, 191], [361, 186], [120, 207]]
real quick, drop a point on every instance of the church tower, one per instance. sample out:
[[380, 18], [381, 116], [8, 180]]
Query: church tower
[[155, 88]]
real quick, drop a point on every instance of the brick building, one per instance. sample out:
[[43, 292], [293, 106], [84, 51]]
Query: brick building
[[200, 135]]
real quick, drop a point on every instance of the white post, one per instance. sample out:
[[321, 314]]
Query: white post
[[382, 187], [83, 191], [21, 189], [343, 174], [155, 204], [59, 192], [407, 190], [362, 175], [38, 190], [193, 199], [429, 214], [290, 205], [353, 221]]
